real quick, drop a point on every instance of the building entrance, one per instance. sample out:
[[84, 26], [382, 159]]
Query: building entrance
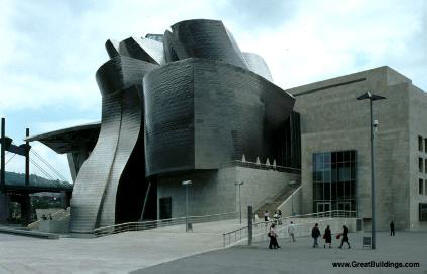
[[344, 206], [322, 207]]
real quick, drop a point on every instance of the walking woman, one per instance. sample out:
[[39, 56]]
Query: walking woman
[[273, 237], [327, 237]]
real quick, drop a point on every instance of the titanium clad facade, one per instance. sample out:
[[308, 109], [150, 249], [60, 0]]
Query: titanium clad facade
[[218, 113], [97, 183], [207, 39], [256, 63]]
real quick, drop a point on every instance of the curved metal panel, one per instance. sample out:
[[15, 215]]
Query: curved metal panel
[[206, 39], [256, 63], [130, 47], [112, 47], [200, 114], [95, 190]]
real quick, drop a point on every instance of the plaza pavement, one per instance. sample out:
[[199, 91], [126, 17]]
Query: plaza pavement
[[300, 257], [120, 253]]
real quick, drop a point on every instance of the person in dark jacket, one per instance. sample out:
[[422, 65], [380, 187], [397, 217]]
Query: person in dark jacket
[[392, 228], [327, 237], [315, 233], [344, 237], [273, 237]]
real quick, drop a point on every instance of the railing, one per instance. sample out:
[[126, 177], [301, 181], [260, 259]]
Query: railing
[[259, 229], [263, 166], [146, 225]]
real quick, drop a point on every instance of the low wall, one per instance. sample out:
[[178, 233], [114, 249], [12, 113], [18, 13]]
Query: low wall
[[55, 226]]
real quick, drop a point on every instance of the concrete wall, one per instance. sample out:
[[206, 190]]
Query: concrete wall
[[215, 192], [417, 127], [294, 201], [332, 119]]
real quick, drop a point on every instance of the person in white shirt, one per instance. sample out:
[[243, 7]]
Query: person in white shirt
[[291, 231]]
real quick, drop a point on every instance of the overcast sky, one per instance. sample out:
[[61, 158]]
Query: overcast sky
[[51, 49]]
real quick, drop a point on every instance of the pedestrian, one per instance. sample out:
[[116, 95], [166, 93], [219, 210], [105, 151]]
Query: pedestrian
[[273, 237], [392, 228], [276, 217], [280, 217], [315, 233], [291, 231], [327, 237], [50, 216], [344, 237], [44, 217], [266, 216]]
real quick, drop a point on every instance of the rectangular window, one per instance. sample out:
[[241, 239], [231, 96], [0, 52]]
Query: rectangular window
[[420, 143], [420, 186], [420, 164], [334, 180], [423, 212], [425, 145]]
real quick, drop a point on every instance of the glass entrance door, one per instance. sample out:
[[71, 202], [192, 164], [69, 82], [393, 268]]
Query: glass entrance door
[[344, 206], [322, 207]]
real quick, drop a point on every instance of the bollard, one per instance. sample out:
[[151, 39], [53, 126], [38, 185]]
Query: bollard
[[249, 225]]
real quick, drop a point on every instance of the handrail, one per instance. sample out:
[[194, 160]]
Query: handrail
[[263, 166], [145, 225], [290, 196], [264, 224]]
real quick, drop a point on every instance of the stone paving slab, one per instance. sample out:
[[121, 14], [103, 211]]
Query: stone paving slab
[[300, 257], [119, 253]]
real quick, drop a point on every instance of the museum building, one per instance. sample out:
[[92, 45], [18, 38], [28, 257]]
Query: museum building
[[180, 106]]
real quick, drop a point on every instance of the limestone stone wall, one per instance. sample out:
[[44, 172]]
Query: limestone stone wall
[[332, 119], [214, 191]]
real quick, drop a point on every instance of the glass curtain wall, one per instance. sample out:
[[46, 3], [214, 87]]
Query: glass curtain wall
[[334, 181]]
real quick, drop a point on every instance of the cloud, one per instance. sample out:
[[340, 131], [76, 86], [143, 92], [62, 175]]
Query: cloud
[[52, 49]]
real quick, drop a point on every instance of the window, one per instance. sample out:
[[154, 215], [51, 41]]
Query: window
[[425, 165], [420, 186], [334, 180], [425, 145], [423, 212], [420, 143], [420, 164]]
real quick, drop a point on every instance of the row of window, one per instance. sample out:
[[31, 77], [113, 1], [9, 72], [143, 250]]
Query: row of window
[[422, 144]]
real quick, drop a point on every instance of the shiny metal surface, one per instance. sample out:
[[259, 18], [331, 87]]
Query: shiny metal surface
[[256, 63], [200, 114], [96, 186]]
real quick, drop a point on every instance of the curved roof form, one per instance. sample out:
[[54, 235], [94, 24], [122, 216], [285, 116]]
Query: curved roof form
[[70, 139]]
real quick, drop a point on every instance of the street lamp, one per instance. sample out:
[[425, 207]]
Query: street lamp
[[240, 204], [372, 97], [187, 183]]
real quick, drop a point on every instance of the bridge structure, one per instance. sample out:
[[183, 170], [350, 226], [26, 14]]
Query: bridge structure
[[19, 190]]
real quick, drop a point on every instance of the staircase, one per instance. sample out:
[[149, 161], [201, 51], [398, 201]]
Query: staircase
[[272, 204]]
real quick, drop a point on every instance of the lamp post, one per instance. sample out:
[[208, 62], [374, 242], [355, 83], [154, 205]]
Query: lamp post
[[372, 98], [240, 204], [186, 183]]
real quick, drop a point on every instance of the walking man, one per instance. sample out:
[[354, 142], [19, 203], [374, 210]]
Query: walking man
[[344, 237], [291, 231], [392, 228], [315, 233]]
